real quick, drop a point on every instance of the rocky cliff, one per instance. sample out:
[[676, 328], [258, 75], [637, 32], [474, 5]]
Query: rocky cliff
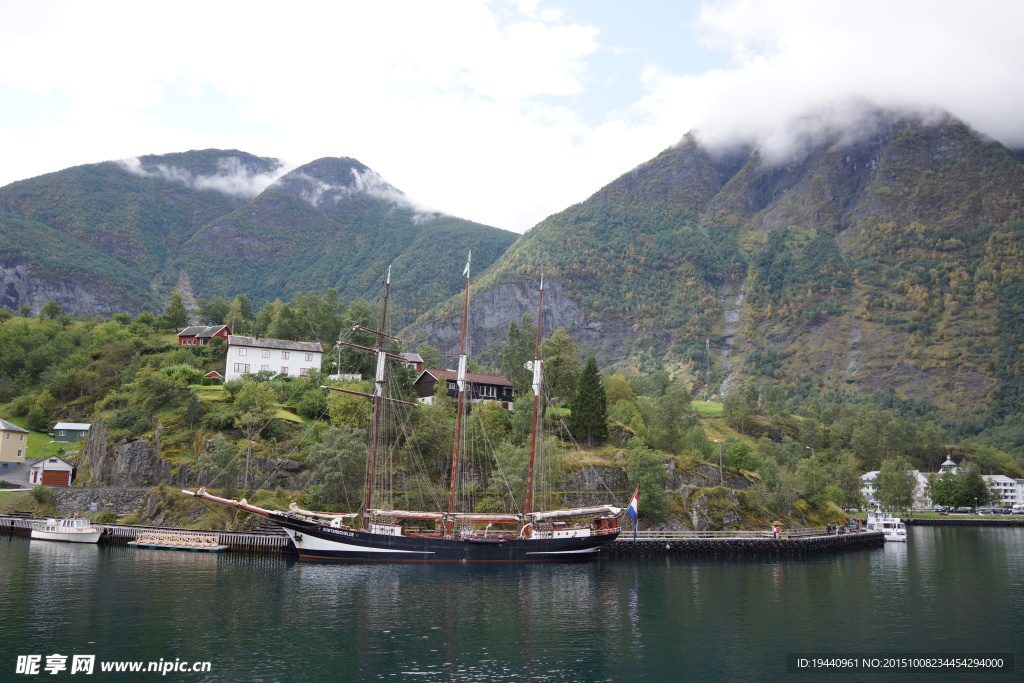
[[132, 463], [493, 309], [21, 286]]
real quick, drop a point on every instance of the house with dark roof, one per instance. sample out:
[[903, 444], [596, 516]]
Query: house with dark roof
[[200, 335], [479, 387], [249, 355]]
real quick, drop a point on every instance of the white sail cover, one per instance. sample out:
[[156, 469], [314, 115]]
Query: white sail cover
[[323, 515], [596, 511], [406, 514], [490, 517]]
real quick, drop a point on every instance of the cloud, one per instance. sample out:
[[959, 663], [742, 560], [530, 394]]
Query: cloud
[[497, 111], [232, 178], [319, 193], [804, 69]]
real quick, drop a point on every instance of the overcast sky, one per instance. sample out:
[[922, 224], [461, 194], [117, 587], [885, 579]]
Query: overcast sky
[[501, 112]]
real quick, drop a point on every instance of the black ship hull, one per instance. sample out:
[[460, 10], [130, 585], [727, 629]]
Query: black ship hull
[[319, 542]]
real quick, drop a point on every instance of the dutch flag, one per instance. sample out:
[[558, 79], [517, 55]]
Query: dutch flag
[[634, 509]]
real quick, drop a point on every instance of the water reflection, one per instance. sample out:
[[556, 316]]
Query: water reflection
[[268, 618]]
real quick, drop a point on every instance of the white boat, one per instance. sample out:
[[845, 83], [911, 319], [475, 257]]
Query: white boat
[[68, 529], [893, 528]]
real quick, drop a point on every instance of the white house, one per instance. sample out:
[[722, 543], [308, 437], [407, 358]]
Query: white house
[[1005, 491], [249, 355], [921, 499], [51, 471]]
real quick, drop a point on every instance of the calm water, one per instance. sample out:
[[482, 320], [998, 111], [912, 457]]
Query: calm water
[[267, 619]]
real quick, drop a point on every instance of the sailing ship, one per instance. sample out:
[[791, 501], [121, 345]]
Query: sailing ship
[[376, 534]]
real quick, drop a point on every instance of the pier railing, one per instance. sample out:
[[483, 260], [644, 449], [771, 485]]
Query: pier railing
[[682, 535], [257, 540]]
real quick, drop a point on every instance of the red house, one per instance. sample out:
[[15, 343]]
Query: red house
[[200, 335]]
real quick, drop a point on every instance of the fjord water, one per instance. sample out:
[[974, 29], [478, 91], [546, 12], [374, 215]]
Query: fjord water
[[949, 591]]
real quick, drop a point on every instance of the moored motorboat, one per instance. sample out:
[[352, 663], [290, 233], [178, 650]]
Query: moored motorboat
[[67, 529], [893, 528]]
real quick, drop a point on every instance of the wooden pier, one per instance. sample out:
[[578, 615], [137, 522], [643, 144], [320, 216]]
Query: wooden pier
[[270, 540], [262, 540], [808, 541]]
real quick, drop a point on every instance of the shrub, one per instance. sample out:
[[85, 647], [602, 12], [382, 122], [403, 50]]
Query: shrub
[[42, 495], [219, 420], [128, 420], [183, 373]]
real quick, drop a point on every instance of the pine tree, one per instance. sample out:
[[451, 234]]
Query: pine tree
[[518, 350], [176, 316], [589, 406]]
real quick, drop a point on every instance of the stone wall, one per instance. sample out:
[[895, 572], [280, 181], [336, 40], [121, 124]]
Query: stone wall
[[78, 499]]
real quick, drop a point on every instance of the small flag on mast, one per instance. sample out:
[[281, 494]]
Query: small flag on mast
[[634, 510], [469, 258]]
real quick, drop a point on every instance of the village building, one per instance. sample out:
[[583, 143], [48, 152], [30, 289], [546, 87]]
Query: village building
[[200, 335], [13, 444], [479, 387], [1005, 491], [51, 471], [70, 432], [413, 361], [249, 355]]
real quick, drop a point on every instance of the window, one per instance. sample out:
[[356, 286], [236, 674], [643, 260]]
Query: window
[[243, 352], [309, 357], [21, 437], [265, 368], [303, 372], [242, 367], [284, 370], [19, 452], [266, 353], [488, 391], [61, 432], [8, 436], [285, 355]]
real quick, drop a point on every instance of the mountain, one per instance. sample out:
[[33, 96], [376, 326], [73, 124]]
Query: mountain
[[867, 262], [117, 236]]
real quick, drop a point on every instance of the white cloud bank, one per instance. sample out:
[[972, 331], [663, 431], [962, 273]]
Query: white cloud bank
[[495, 110], [828, 62], [232, 178]]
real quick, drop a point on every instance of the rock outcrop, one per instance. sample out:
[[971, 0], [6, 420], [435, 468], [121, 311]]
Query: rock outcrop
[[137, 462], [19, 286], [492, 310]]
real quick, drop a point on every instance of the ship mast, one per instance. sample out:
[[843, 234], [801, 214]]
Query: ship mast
[[460, 407], [378, 398], [537, 379]]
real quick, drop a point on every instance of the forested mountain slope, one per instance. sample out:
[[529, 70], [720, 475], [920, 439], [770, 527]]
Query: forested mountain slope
[[118, 236], [856, 263]]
